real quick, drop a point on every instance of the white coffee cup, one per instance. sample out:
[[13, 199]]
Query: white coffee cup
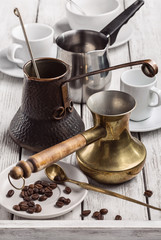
[[99, 13], [144, 90], [40, 37]]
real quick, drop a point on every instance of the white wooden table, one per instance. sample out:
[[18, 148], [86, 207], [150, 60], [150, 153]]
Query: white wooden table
[[138, 222]]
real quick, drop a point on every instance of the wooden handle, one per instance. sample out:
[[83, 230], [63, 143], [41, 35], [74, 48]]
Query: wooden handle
[[46, 157]]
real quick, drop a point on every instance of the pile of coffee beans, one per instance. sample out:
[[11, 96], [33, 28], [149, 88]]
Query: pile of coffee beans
[[41, 191], [29, 207]]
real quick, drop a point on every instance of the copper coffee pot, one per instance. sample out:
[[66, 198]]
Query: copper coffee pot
[[107, 152]]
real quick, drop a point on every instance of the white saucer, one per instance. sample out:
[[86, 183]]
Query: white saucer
[[11, 68], [48, 207], [124, 34], [149, 124]]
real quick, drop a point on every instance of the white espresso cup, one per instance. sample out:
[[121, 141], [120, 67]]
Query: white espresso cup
[[144, 91], [40, 37]]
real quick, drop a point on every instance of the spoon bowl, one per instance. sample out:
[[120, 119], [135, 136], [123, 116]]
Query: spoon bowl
[[57, 174]]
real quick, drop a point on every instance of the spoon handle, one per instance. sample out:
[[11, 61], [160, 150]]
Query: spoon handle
[[107, 192], [17, 13]]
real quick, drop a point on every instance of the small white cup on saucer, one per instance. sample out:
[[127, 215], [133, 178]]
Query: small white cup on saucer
[[40, 37], [99, 13], [144, 90]]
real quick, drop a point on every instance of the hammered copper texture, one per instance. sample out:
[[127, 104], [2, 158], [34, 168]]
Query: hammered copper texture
[[37, 135]]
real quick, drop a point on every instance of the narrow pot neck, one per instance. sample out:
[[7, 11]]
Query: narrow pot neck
[[114, 126]]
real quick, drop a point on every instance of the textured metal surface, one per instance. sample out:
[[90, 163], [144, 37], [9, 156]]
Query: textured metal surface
[[37, 135], [34, 126]]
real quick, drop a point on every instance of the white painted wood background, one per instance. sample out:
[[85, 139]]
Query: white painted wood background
[[138, 222]]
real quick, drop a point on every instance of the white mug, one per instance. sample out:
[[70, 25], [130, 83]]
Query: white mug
[[144, 90], [40, 37]]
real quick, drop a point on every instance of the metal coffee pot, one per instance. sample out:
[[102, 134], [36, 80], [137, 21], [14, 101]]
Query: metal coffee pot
[[107, 152], [87, 50], [46, 116]]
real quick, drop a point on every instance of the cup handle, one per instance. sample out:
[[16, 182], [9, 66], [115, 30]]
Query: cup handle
[[156, 91], [11, 51]]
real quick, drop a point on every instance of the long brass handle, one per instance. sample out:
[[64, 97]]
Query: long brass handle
[[148, 66], [110, 193]]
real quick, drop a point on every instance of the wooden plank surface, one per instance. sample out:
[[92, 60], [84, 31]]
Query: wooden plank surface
[[72, 230], [145, 43]]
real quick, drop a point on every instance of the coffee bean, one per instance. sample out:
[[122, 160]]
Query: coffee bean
[[86, 212], [96, 214], [57, 178], [35, 196], [48, 189], [59, 204], [24, 206], [42, 198], [39, 186], [31, 186], [38, 208], [67, 201], [23, 203], [61, 199], [30, 210], [30, 191], [148, 193], [25, 194], [45, 184], [67, 190], [25, 188], [10, 193], [38, 182], [41, 191], [27, 199], [100, 217], [22, 194], [16, 207], [118, 217], [53, 185], [48, 194], [36, 190], [103, 211], [31, 204]]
